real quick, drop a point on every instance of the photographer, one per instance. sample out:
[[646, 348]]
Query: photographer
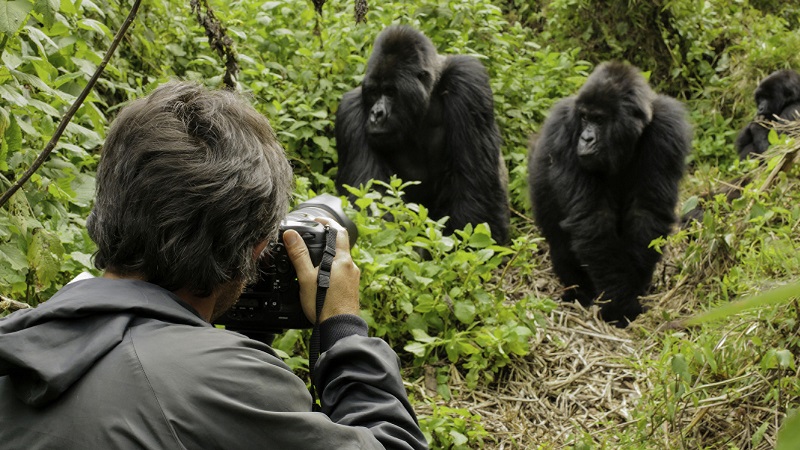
[[191, 189]]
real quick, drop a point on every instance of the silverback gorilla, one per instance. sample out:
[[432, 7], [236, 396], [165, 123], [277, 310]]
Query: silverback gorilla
[[777, 96], [429, 118], [604, 177]]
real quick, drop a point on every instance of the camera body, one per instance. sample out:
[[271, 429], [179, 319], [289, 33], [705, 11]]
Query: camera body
[[272, 303]]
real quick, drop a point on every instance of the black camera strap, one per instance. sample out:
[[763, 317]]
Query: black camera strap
[[323, 282]]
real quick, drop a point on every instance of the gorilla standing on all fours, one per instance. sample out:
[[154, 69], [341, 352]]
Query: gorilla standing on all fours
[[604, 177], [777, 96], [429, 118]]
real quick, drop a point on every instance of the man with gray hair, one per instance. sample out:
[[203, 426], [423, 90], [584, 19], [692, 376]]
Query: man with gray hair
[[191, 189]]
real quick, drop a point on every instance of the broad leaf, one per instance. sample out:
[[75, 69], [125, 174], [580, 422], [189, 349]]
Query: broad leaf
[[48, 10], [12, 13]]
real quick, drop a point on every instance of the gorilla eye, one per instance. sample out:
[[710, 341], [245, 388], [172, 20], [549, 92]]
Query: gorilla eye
[[594, 118]]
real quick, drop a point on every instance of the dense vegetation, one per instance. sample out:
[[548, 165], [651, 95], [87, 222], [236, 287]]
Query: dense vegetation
[[475, 315]]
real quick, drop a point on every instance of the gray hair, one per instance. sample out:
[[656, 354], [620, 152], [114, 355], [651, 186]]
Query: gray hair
[[189, 182]]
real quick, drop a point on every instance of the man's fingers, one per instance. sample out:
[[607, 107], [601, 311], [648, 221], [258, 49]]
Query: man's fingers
[[298, 254], [342, 238]]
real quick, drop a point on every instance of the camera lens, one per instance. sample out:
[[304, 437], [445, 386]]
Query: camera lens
[[329, 206]]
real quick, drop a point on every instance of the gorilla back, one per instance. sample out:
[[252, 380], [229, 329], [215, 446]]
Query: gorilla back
[[604, 177], [429, 118]]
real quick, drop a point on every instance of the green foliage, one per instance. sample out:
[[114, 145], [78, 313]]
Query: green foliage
[[453, 428], [789, 436], [775, 296], [449, 306]]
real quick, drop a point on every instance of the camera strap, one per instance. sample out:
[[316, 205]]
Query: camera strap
[[323, 282]]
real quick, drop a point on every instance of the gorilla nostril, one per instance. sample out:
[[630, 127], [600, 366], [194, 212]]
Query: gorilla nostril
[[377, 116]]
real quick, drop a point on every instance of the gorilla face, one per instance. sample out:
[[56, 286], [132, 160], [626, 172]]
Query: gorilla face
[[397, 87], [613, 107], [394, 103], [777, 91], [591, 155]]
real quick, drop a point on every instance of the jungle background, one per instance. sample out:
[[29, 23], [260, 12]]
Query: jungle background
[[491, 358]]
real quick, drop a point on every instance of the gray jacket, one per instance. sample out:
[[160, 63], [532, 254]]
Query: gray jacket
[[125, 364]]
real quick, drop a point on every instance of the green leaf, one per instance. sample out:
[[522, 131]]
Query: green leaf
[[480, 240], [758, 436], [385, 237], [68, 7], [416, 348], [11, 60], [464, 311], [12, 142], [689, 204], [458, 438], [48, 10], [13, 256], [773, 137], [775, 296], [422, 336], [93, 25], [323, 142], [452, 348], [680, 367], [44, 255], [12, 14], [785, 359], [789, 434]]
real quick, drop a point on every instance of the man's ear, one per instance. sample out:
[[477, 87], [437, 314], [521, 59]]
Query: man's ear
[[259, 248]]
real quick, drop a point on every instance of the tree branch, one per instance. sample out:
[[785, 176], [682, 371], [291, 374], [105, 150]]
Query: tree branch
[[6, 304], [74, 108], [218, 40]]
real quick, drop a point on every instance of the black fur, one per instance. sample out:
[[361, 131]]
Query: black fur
[[777, 96], [428, 118], [599, 212]]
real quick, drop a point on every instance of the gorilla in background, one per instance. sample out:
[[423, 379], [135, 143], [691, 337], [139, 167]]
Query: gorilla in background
[[604, 177], [429, 118], [777, 96]]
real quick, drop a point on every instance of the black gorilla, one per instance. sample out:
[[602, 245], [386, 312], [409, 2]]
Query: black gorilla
[[429, 118], [777, 96], [604, 177]]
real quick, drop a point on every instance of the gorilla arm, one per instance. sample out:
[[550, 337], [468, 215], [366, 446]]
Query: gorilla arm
[[744, 141], [660, 167], [357, 164], [472, 179]]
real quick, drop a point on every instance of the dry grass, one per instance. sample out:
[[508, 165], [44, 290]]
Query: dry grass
[[584, 377]]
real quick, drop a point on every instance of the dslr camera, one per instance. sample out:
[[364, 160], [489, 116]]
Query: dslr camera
[[272, 303]]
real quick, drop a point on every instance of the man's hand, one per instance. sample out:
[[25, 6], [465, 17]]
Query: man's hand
[[342, 295]]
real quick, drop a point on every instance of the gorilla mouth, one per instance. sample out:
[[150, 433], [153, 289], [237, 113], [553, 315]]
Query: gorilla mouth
[[381, 133], [591, 162]]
